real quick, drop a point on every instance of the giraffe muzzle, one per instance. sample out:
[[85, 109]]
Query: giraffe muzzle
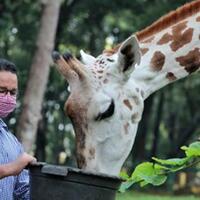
[[68, 66]]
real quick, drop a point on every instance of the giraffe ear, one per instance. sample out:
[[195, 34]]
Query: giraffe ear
[[86, 58], [129, 54]]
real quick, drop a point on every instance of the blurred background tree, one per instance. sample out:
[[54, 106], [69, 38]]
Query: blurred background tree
[[171, 117]]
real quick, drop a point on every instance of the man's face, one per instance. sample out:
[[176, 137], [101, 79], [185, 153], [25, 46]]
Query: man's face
[[8, 82]]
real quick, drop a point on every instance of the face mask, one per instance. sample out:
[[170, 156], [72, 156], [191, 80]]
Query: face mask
[[7, 104]]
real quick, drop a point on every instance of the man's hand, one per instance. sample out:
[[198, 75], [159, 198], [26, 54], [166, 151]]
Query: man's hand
[[15, 167], [21, 162]]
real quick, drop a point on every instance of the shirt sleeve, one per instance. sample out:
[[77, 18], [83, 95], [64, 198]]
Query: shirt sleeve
[[22, 188]]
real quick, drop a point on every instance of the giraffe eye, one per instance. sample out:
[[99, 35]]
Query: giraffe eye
[[108, 113]]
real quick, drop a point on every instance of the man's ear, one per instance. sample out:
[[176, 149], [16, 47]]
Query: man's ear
[[129, 54], [86, 58]]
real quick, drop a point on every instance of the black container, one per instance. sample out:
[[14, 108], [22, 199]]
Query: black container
[[53, 182]]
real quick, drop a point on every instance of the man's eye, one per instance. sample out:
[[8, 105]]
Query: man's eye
[[5, 91], [13, 92], [2, 91], [108, 113]]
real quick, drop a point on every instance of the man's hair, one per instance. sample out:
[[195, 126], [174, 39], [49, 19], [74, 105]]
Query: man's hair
[[6, 65]]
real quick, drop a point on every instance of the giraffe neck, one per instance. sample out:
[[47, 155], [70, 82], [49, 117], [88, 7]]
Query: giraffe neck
[[169, 55]]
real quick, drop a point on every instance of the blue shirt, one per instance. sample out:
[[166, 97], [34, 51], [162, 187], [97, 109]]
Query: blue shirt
[[12, 187]]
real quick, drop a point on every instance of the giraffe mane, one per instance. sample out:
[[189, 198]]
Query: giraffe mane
[[169, 19], [164, 22]]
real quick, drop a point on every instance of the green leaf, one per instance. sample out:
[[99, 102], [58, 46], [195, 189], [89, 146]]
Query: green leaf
[[125, 185], [124, 175], [172, 161], [149, 173], [143, 183], [193, 150], [155, 173]]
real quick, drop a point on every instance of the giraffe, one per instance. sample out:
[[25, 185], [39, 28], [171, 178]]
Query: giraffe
[[108, 92]]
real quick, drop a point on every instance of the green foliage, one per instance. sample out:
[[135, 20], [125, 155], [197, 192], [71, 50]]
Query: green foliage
[[146, 173], [143, 196], [155, 173], [193, 150]]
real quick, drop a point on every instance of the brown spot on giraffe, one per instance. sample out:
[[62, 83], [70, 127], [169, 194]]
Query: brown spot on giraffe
[[148, 40], [80, 124], [198, 19], [179, 37], [171, 76], [81, 161], [182, 40], [157, 61], [128, 104], [91, 153], [134, 117], [136, 100], [126, 128], [137, 90], [165, 39], [191, 61], [105, 81], [142, 93], [144, 50]]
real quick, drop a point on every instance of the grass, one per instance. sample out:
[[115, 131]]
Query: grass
[[143, 196]]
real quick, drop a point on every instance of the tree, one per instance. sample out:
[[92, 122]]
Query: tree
[[38, 75]]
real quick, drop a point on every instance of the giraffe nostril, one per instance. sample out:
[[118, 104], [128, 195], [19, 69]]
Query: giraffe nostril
[[55, 56], [67, 56]]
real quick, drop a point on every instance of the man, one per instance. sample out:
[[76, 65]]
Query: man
[[12, 157]]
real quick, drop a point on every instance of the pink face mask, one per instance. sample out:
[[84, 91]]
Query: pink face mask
[[7, 104]]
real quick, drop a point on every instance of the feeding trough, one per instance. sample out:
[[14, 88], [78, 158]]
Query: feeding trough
[[65, 183]]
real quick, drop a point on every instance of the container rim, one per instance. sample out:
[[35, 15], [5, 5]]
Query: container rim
[[63, 170]]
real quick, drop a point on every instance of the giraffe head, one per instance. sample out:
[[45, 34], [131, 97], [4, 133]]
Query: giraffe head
[[104, 105]]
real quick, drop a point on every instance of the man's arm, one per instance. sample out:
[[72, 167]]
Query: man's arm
[[15, 167]]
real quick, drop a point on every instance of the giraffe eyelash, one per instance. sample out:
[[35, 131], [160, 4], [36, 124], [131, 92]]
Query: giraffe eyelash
[[108, 113], [110, 60]]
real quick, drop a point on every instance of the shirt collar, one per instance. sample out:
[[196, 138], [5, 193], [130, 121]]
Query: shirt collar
[[2, 123]]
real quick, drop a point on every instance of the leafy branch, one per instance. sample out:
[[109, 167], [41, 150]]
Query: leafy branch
[[155, 173]]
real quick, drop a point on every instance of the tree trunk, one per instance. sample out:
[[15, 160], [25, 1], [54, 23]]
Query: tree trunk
[[157, 124], [138, 151], [38, 75], [41, 139]]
